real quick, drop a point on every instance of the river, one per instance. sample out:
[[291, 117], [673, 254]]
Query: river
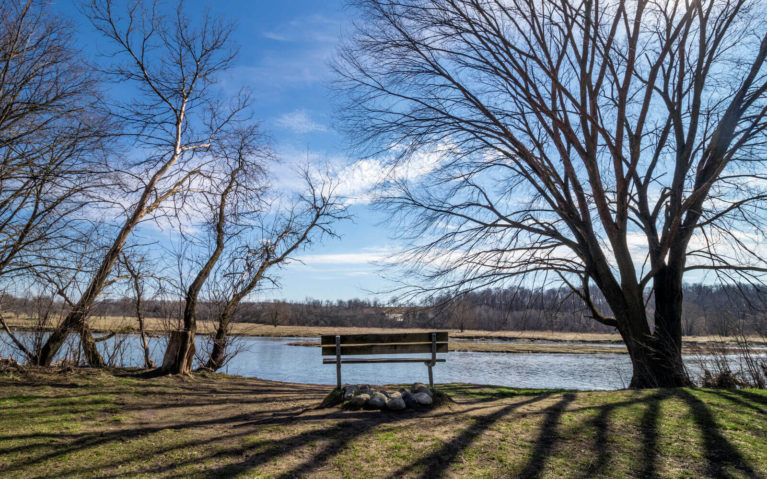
[[274, 359]]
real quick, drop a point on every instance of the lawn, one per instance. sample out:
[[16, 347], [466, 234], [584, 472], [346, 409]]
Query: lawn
[[86, 423]]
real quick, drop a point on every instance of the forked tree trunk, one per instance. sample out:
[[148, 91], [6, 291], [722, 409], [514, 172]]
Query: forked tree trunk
[[656, 356], [180, 353]]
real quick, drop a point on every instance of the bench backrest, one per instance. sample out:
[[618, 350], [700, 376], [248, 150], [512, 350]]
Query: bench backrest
[[398, 343]]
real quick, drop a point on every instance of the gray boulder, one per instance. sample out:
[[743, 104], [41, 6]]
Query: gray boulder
[[421, 388], [395, 395], [422, 398], [396, 404], [377, 400], [349, 392], [410, 400], [359, 400]]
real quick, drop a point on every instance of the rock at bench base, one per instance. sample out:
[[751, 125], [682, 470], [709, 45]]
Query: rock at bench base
[[396, 404], [410, 400], [359, 400], [378, 400], [349, 392], [422, 399], [420, 388]]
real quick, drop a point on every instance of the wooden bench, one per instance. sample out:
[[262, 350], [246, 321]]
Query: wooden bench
[[374, 344]]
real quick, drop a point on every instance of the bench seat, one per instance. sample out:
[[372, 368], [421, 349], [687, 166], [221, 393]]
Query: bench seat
[[380, 344], [383, 360]]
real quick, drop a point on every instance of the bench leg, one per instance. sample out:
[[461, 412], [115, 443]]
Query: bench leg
[[338, 362], [433, 359]]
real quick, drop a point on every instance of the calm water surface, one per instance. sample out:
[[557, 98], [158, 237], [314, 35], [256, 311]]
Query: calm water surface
[[273, 358]]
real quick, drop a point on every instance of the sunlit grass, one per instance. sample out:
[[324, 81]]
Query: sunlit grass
[[93, 424]]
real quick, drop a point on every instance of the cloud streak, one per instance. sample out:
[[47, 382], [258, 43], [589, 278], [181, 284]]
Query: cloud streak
[[299, 122]]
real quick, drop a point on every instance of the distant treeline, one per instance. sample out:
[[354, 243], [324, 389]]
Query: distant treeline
[[717, 310]]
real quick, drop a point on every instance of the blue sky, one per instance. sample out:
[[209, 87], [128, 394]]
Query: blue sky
[[285, 53], [285, 50]]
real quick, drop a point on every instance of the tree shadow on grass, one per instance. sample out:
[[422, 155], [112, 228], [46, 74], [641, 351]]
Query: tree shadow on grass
[[720, 454], [436, 463], [755, 397], [546, 438], [338, 437], [649, 427], [736, 397]]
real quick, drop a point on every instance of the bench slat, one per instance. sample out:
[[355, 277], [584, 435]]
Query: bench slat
[[383, 338], [407, 348], [382, 360]]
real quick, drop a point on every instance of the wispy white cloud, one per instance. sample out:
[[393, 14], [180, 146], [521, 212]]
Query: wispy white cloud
[[359, 182], [299, 122], [368, 256], [310, 28]]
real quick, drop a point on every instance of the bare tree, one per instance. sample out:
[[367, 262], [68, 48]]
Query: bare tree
[[45, 139], [612, 143], [232, 192], [49, 132], [138, 276], [171, 64], [249, 265]]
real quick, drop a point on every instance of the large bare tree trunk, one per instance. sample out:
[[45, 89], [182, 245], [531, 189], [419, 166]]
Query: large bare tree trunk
[[656, 355]]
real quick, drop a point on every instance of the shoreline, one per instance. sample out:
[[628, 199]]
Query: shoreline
[[510, 342]]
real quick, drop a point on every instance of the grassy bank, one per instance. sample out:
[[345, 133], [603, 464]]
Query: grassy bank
[[97, 424]]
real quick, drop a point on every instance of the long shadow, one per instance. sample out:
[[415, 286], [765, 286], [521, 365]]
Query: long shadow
[[88, 440], [601, 424], [734, 398], [650, 436], [437, 462], [340, 434], [720, 454], [761, 399], [547, 438]]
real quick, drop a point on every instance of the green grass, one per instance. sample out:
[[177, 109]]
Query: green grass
[[101, 424]]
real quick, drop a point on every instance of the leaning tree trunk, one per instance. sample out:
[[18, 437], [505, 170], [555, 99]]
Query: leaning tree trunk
[[218, 353], [74, 321]]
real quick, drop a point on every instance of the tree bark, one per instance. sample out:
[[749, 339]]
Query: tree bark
[[656, 356], [218, 353], [180, 353], [88, 343]]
